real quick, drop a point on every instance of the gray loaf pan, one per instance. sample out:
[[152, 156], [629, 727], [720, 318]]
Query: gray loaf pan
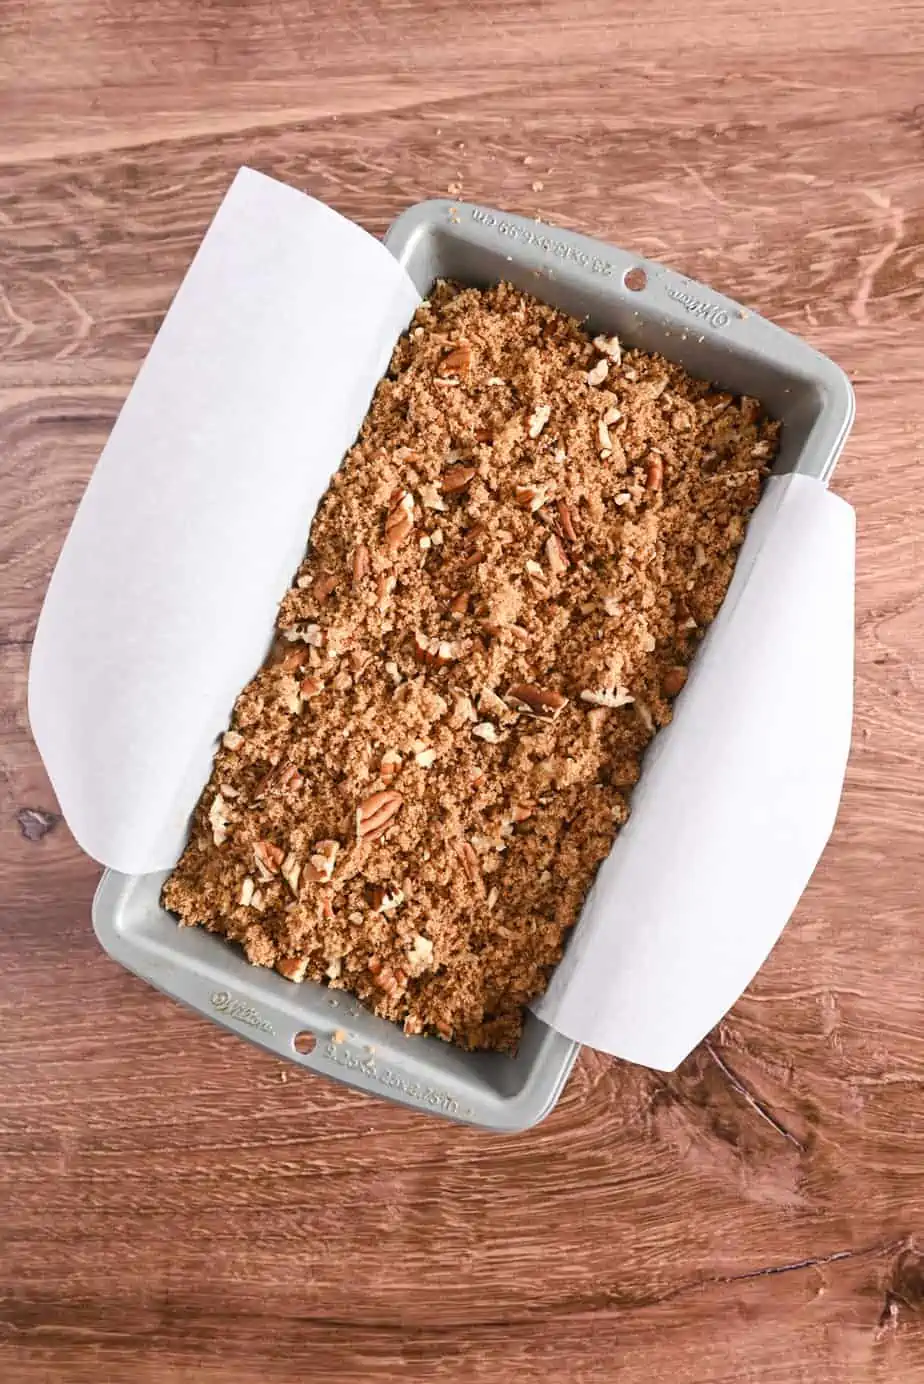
[[648, 306]]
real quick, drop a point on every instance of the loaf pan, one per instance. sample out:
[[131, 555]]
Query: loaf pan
[[647, 306]]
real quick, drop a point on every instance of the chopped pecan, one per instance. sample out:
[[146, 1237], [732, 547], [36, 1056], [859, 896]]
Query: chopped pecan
[[384, 900], [538, 419], [311, 687], [538, 701], [321, 861], [654, 476], [436, 653], [325, 586], [384, 587], [361, 563], [456, 478], [293, 658], [457, 361], [566, 519], [393, 982], [644, 715], [399, 523], [283, 777], [290, 869], [491, 704], [531, 496], [673, 681], [269, 857], [391, 763], [293, 967], [608, 697], [469, 858], [376, 813], [609, 346], [218, 819], [307, 634], [557, 557]]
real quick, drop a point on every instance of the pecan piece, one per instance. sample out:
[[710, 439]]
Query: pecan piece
[[558, 559], [538, 419], [278, 780], [469, 858], [269, 858], [290, 869], [609, 346], [375, 814], [435, 653], [391, 763], [399, 523], [457, 478], [612, 697], [531, 496], [361, 563], [457, 361], [383, 900], [566, 519], [654, 477], [321, 861], [218, 819], [392, 982], [537, 701], [325, 586], [294, 968], [673, 681], [293, 658], [384, 587]]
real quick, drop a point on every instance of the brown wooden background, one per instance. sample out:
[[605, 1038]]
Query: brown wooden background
[[172, 1207]]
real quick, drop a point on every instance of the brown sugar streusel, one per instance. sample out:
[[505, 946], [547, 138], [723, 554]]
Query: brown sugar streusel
[[504, 586]]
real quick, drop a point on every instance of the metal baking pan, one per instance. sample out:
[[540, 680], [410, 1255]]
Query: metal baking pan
[[647, 306]]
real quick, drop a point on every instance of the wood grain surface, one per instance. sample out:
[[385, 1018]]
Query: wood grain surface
[[175, 1205]]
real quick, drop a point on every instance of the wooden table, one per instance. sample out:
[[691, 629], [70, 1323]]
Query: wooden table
[[177, 1206]]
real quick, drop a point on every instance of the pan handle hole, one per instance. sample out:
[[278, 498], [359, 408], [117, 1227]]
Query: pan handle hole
[[304, 1042], [635, 279]]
